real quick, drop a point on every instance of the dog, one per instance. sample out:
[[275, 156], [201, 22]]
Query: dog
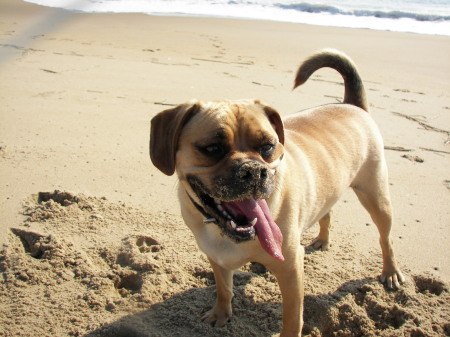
[[250, 182]]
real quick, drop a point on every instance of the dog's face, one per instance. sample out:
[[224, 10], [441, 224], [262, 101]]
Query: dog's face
[[226, 156]]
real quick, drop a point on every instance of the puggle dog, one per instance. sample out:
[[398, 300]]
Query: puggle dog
[[251, 182]]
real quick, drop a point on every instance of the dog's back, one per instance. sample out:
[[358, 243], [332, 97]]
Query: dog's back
[[336, 141], [335, 134], [339, 145]]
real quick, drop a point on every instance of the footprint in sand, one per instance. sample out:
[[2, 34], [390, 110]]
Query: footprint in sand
[[146, 244], [425, 284], [138, 256]]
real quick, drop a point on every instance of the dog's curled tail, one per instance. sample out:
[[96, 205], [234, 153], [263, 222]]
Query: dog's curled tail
[[354, 88]]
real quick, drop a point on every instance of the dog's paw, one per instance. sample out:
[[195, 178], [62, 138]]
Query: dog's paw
[[318, 243], [217, 317], [392, 279]]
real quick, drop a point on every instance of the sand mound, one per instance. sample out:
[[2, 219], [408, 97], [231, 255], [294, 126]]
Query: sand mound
[[83, 266]]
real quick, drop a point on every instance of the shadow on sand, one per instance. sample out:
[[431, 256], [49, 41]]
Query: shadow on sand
[[180, 314]]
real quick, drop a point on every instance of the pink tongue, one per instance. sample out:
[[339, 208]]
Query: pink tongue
[[267, 230]]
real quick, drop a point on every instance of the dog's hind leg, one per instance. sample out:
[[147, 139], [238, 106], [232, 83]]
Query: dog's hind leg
[[372, 189], [322, 241]]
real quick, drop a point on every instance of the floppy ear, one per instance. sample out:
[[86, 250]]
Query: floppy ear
[[275, 119], [165, 131]]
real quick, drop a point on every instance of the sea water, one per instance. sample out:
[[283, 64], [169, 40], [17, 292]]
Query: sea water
[[415, 16]]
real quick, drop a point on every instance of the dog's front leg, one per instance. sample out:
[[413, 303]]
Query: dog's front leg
[[289, 275], [220, 314]]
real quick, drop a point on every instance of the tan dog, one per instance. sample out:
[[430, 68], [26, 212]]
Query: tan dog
[[250, 182]]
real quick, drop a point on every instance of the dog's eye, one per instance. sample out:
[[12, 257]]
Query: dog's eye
[[266, 150], [214, 150]]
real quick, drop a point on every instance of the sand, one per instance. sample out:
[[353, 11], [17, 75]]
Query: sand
[[93, 242]]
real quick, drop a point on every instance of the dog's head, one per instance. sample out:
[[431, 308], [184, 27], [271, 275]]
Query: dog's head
[[226, 156]]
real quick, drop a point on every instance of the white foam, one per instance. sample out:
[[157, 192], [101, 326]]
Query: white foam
[[422, 16]]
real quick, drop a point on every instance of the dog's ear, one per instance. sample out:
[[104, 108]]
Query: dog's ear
[[275, 119], [165, 131]]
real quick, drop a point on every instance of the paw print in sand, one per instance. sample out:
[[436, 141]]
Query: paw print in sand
[[137, 258], [146, 244], [139, 253], [427, 284]]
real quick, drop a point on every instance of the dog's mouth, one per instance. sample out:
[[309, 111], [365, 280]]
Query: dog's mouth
[[242, 220]]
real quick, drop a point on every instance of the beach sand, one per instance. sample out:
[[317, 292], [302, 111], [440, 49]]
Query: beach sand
[[93, 241]]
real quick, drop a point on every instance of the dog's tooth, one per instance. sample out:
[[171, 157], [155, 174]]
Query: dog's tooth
[[217, 201], [220, 208], [233, 224], [229, 225], [210, 220], [254, 221]]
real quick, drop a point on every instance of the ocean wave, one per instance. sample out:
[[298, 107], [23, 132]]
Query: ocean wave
[[422, 16], [328, 9]]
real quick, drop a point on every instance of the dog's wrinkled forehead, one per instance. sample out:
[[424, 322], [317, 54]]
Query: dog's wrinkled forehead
[[223, 119], [213, 114]]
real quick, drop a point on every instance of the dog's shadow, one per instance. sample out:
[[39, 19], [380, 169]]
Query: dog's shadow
[[180, 314]]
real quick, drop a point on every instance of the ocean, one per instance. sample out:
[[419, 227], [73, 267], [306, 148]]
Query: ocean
[[414, 16]]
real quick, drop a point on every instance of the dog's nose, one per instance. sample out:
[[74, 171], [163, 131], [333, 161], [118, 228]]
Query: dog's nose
[[252, 171]]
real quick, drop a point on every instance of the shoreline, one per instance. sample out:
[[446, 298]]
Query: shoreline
[[334, 19]]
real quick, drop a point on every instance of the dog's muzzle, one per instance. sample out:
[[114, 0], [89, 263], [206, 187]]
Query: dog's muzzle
[[252, 171], [250, 179]]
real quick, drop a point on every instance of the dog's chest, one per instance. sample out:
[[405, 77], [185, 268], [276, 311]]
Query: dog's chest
[[222, 250]]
